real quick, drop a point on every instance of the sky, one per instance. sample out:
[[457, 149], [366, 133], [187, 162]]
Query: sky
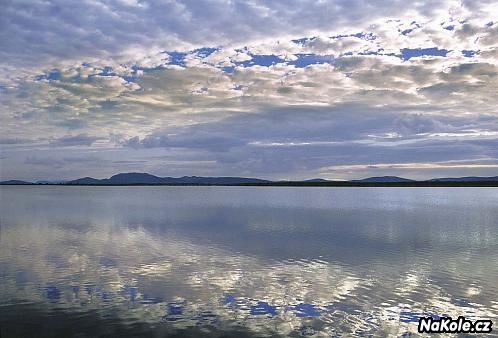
[[281, 89]]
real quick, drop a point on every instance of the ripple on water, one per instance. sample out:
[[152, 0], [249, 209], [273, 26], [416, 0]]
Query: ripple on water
[[215, 267]]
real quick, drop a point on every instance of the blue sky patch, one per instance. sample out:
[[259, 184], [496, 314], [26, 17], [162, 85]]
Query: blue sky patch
[[134, 71], [304, 60], [205, 51], [303, 41], [129, 78], [469, 53], [228, 69], [361, 35], [407, 31], [265, 60], [54, 74], [177, 58], [107, 71], [408, 53]]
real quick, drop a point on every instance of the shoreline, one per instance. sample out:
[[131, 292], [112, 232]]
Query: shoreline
[[284, 184]]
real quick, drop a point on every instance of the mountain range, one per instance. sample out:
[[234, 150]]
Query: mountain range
[[144, 178], [148, 179]]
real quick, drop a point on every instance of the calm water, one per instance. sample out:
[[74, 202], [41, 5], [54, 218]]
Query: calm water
[[117, 261]]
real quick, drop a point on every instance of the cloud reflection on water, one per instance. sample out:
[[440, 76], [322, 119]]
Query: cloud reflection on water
[[182, 270]]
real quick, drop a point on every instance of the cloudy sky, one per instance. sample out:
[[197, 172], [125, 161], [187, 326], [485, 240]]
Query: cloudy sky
[[281, 89]]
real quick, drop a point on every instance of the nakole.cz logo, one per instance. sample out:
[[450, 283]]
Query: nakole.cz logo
[[448, 325]]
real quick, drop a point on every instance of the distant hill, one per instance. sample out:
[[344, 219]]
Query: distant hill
[[316, 180], [464, 179], [133, 178], [144, 178], [85, 180], [384, 179], [51, 182], [217, 180], [14, 182]]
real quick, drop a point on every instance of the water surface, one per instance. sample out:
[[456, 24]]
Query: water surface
[[245, 261]]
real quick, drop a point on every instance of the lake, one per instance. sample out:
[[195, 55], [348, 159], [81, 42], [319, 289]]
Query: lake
[[243, 261]]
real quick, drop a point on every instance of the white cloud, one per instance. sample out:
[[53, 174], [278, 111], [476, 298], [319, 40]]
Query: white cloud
[[362, 71]]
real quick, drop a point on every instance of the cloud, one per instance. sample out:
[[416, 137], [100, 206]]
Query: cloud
[[43, 161], [58, 30], [318, 137], [290, 88], [76, 140], [8, 141]]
